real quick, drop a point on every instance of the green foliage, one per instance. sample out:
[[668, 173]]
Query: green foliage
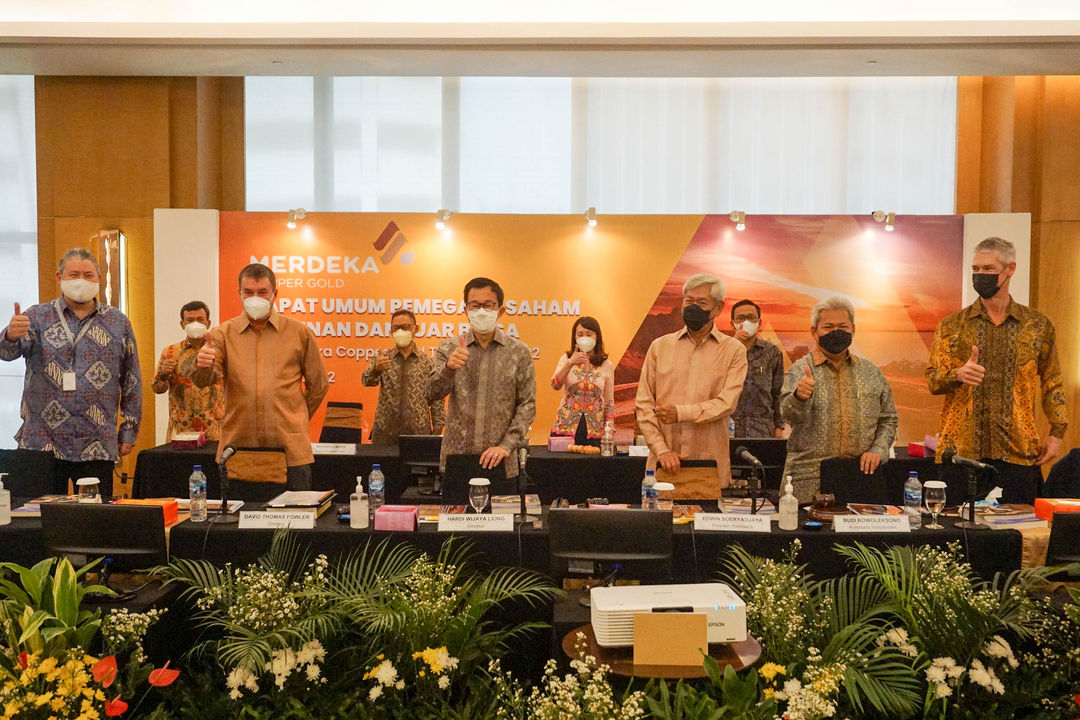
[[42, 608], [725, 696]]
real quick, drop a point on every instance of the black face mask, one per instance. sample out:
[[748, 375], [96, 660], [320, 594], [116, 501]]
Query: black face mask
[[695, 318], [835, 342], [986, 284]]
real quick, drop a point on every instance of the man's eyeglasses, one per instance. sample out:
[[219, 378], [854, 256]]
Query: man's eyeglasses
[[745, 318], [482, 306], [403, 326]]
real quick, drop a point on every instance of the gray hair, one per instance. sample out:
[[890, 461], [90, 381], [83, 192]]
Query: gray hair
[[836, 302], [78, 254], [718, 290], [1006, 250]]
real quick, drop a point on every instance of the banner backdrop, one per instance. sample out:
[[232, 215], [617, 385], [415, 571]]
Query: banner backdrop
[[344, 273]]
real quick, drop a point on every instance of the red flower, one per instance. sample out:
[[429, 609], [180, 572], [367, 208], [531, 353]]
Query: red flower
[[104, 671], [116, 707], [163, 676], [23, 662]]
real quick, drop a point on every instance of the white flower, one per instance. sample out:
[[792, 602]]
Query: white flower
[[374, 693], [399, 685], [444, 682], [312, 672], [942, 691], [935, 674], [978, 674], [386, 673], [792, 687], [311, 652], [945, 662]]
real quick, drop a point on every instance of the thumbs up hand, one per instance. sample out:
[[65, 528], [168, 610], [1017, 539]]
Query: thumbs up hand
[[207, 354], [971, 372], [459, 357], [805, 388], [19, 325]]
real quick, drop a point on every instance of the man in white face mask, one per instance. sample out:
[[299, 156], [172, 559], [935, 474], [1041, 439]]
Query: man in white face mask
[[82, 371], [758, 413], [191, 408], [273, 374], [402, 373], [491, 382]]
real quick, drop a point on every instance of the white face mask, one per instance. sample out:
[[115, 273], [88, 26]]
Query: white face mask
[[195, 330], [256, 307], [79, 290], [586, 344], [750, 328], [483, 321], [402, 338]]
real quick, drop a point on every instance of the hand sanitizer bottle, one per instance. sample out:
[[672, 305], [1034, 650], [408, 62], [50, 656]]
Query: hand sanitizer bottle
[[789, 508], [358, 506], [5, 502]]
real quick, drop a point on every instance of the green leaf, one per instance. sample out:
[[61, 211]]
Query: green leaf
[[14, 592], [30, 625], [66, 594]]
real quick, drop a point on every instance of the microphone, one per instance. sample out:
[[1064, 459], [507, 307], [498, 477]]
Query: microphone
[[227, 453], [745, 454], [949, 457]]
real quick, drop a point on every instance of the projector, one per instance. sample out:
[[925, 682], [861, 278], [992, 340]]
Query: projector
[[613, 610]]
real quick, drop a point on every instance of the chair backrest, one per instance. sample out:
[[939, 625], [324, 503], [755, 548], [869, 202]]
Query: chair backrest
[[1064, 544], [257, 474], [29, 472], [639, 540], [460, 468], [343, 423], [133, 535], [1063, 481]]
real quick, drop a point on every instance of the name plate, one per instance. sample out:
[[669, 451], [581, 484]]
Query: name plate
[[256, 520], [638, 451], [333, 448], [732, 522], [458, 522], [871, 523]]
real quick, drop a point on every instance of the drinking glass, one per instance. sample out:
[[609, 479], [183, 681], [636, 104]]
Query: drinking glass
[[478, 494], [89, 490], [934, 497]]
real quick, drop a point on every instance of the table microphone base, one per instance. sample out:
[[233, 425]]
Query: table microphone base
[[969, 525], [225, 519]]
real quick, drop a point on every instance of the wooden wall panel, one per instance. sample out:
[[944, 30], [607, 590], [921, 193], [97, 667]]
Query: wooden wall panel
[[969, 117], [1061, 149], [1059, 298]]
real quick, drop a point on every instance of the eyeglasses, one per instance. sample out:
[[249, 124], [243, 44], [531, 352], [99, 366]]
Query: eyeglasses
[[489, 306], [744, 318], [402, 326]]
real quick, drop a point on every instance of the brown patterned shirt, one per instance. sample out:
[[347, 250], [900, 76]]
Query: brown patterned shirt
[[996, 420], [492, 398], [851, 412], [191, 408], [404, 408], [758, 412]]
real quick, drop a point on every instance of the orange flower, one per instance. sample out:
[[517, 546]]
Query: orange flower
[[115, 707], [104, 671], [163, 676]]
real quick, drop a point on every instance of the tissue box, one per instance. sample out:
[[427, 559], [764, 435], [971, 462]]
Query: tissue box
[[1046, 507], [397, 517], [188, 440], [169, 507], [560, 443]]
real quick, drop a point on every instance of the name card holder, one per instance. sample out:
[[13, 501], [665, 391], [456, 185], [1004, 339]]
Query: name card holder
[[458, 522], [333, 448], [871, 523], [258, 520], [731, 522]]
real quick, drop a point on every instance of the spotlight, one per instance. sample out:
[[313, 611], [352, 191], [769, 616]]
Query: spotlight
[[442, 217], [739, 218], [294, 215], [590, 217], [889, 218]]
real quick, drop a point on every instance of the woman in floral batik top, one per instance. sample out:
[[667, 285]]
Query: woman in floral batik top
[[587, 379]]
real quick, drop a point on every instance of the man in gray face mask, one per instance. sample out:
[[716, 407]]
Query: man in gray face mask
[[838, 404], [82, 370]]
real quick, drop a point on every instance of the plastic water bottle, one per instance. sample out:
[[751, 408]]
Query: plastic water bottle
[[648, 491], [607, 443], [376, 489], [197, 495], [731, 426], [913, 500]]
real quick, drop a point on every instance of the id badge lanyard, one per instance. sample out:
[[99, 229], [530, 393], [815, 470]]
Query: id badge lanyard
[[68, 377]]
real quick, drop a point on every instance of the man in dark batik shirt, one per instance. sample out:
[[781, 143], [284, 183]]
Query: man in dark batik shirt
[[758, 411]]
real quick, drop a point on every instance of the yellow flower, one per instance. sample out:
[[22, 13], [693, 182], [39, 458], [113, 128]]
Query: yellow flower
[[43, 698], [380, 656], [56, 704], [769, 692], [770, 670], [422, 673]]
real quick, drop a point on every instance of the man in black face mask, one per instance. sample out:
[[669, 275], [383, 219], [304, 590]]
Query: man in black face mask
[[689, 386], [839, 405], [991, 361]]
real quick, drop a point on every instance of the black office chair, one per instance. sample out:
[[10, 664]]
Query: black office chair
[[1064, 544], [343, 423], [257, 474], [29, 472], [1064, 478]]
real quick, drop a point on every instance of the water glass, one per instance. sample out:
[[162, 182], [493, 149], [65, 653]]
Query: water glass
[[934, 497], [479, 494]]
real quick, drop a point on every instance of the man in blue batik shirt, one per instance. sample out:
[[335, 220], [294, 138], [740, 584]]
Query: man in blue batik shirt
[[82, 368]]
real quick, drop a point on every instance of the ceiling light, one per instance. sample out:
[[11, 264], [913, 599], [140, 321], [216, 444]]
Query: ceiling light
[[590, 217], [739, 218], [442, 217], [889, 218], [294, 215]]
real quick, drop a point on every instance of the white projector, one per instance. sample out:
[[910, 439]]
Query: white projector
[[613, 610]]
